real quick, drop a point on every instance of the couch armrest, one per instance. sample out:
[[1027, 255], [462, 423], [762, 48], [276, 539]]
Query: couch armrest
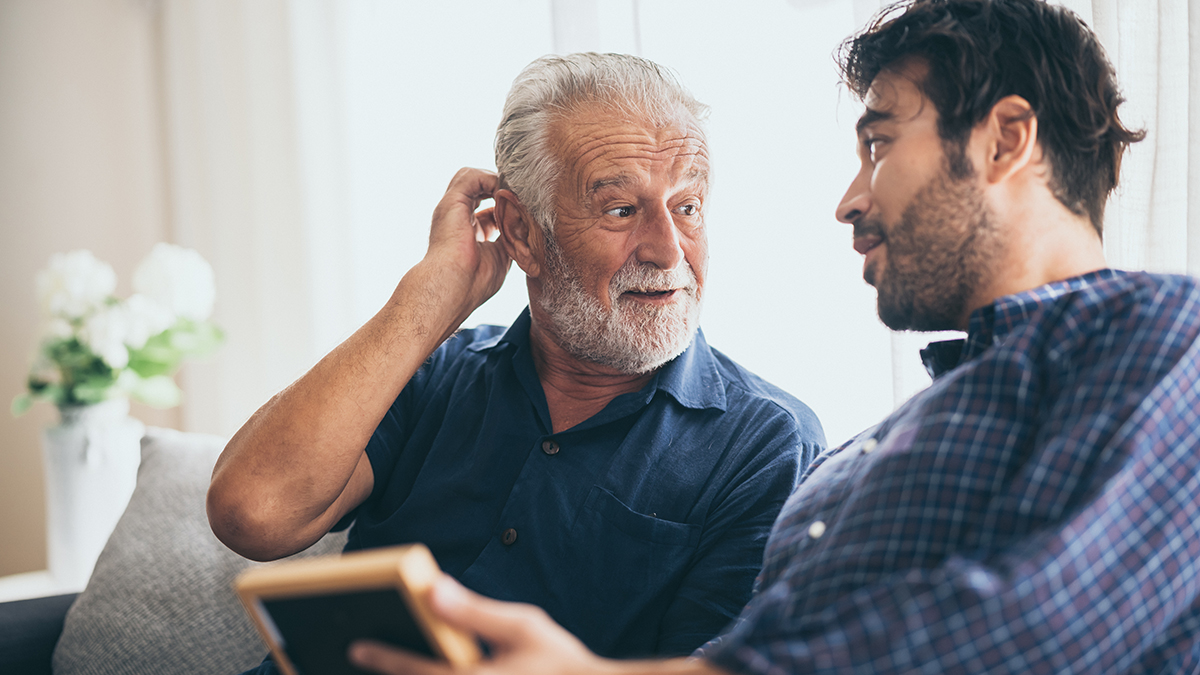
[[29, 630]]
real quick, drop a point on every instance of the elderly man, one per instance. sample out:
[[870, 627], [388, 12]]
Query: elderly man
[[597, 458], [1037, 509]]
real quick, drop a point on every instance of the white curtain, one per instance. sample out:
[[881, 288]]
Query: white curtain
[[235, 194], [1150, 224], [308, 141]]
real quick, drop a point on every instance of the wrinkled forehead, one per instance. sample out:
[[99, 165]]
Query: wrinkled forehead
[[599, 140]]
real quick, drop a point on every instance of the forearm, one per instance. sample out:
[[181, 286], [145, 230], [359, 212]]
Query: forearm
[[298, 465], [1055, 604], [683, 666]]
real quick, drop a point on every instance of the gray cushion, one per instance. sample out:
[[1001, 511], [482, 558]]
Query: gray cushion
[[161, 598]]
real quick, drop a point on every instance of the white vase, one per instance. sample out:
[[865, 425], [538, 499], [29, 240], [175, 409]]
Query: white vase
[[91, 460]]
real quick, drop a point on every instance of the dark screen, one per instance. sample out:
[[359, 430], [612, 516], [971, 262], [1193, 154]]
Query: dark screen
[[318, 630]]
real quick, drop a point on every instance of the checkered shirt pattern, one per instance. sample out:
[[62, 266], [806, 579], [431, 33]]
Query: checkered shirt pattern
[[1035, 510]]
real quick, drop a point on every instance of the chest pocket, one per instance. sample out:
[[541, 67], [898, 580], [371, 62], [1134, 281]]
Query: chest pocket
[[603, 509], [633, 564]]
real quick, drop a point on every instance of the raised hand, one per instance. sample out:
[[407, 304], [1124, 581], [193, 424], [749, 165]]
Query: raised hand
[[297, 466], [465, 241]]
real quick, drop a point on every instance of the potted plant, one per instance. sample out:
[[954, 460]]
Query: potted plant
[[96, 352]]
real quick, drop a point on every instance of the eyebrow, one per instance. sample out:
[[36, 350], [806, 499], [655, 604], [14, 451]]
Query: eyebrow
[[622, 180], [871, 117], [615, 181]]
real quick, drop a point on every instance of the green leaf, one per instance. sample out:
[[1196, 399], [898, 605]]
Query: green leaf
[[154, 359], [36, 386], [195, 338], [54, 394], [159, 391], [21, 404], [77, 364], [93, 390]]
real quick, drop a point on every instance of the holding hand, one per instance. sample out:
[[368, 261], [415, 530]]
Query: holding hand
[[523, 641], [522, 638]]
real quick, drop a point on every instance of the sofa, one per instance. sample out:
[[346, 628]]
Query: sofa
[[160, 599]]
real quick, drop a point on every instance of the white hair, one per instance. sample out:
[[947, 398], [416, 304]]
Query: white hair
[[553, 87]]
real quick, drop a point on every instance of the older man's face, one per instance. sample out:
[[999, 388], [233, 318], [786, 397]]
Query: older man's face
[[625, 271]]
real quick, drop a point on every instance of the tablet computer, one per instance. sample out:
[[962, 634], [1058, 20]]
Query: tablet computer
[[310, 611]]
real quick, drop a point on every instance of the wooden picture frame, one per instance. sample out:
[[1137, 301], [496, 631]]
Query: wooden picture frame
[[310, 611]]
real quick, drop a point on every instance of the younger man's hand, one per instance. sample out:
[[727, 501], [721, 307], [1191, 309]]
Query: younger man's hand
[[522, 638]]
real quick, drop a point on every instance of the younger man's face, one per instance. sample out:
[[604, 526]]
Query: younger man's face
[[928, 242]]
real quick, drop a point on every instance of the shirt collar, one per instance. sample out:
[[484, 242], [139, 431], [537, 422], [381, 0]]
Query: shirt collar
[[517, 334], [991, 324], [691, 378]]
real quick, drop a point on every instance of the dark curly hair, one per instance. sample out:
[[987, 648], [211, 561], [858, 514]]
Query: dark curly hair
[[978, 52]]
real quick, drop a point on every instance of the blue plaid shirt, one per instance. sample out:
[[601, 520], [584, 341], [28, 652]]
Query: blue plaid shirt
[[1035, 510]]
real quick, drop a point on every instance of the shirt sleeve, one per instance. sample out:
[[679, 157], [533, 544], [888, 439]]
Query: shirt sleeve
[[392, 433], [1111, 588], [719, 581]]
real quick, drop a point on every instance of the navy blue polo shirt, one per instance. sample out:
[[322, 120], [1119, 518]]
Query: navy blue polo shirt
[[640, 530]]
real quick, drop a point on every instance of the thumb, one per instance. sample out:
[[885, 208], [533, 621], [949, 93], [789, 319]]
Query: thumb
[[500, 624]]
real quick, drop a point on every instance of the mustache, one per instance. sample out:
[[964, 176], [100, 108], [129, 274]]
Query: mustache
[[868, 228], [634, 276]]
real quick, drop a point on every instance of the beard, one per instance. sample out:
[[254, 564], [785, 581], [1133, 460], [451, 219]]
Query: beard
[[631, 337], [938, 256]]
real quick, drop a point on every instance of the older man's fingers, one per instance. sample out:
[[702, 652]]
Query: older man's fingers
[[487, 230], [380, 658], [467, 189], [472, 185]]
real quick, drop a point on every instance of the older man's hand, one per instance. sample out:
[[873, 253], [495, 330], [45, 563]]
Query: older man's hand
[[464, 240]]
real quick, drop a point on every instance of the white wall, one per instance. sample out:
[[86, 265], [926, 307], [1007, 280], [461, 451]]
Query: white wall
[[80, 167]]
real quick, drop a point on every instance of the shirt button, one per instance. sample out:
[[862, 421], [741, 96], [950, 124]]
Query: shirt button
[[509, 537], [869, 445], [816, 529], [549, 447]]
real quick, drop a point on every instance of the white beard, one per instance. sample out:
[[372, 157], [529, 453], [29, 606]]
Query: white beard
[[632, 337]]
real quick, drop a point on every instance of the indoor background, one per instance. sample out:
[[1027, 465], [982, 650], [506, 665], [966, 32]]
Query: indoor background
[[301, 145]]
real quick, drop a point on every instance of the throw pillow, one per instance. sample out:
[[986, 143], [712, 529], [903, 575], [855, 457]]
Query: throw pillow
[[161, 598]]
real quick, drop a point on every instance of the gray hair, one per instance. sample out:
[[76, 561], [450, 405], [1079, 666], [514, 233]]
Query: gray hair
[[553, 87]]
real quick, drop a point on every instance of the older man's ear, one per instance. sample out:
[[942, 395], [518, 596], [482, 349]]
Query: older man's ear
[[521, 239]]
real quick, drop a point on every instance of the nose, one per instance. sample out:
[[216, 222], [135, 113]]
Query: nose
[[660, 243], [857, 200]]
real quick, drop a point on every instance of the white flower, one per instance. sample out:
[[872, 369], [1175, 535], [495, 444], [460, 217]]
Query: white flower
[[104, 333], [74, 284], [178, 278], [145, 318], [57, 328]]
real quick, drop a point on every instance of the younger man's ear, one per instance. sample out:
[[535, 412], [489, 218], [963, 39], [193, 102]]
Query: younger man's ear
[[521, 238], [1011, 138]]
